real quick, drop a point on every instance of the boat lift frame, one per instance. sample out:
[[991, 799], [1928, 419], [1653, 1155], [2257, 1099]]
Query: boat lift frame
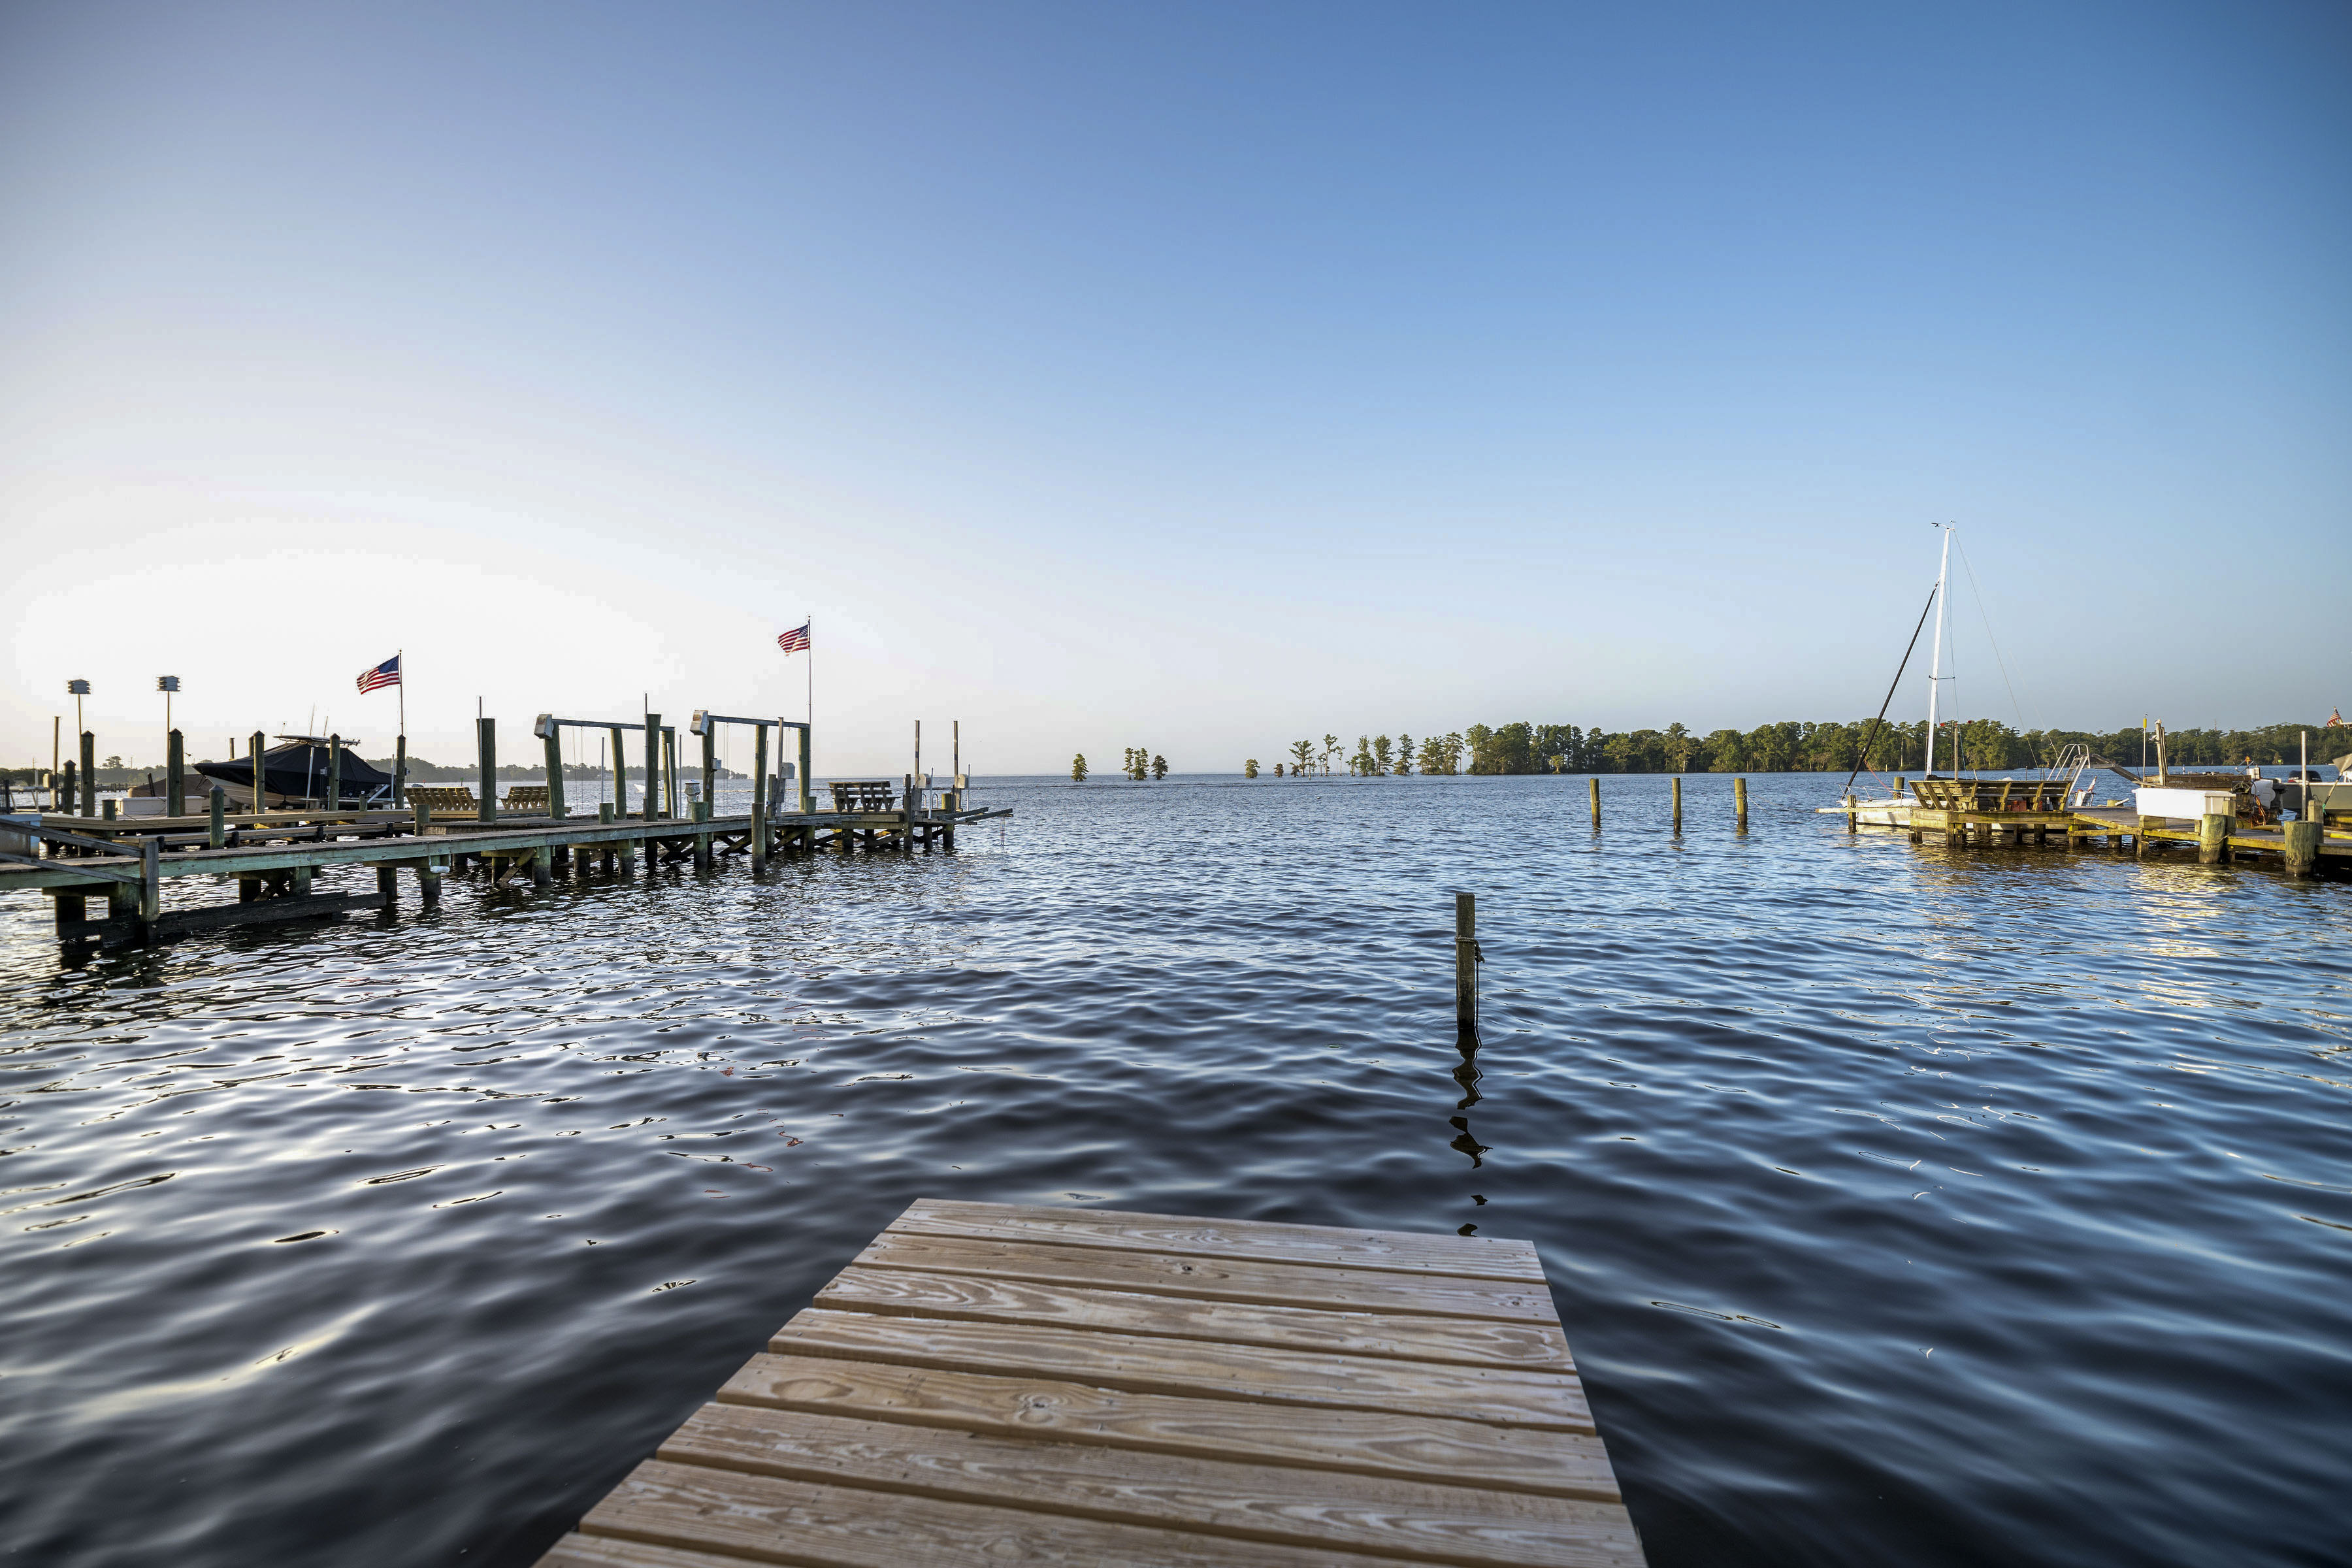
[[660, 738], [706, 724]]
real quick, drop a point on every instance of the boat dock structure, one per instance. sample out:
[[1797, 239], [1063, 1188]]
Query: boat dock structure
[[989, 1383], [272, 856], [2041, 812]]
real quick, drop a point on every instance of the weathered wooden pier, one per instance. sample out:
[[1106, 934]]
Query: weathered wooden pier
[[1965, 812], [995, 1384], [272, 856]]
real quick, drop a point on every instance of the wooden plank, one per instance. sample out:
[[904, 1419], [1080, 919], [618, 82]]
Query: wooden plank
[[1450, 1448], [1548, 1400], [1252, 1502], [802, 1522], [578, 1551], [1214, 1278], [1466, 1342], [1466, 1256]]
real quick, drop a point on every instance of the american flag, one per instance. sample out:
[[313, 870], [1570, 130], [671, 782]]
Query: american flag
[[795, 640], [384, 674]]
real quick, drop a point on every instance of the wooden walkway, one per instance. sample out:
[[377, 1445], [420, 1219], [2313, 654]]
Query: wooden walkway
[[995, 1384]]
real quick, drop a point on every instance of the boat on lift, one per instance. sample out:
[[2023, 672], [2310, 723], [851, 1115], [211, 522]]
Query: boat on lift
[[294, 776]]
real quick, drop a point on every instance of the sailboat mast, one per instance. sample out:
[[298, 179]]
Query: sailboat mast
[[1936, 658]]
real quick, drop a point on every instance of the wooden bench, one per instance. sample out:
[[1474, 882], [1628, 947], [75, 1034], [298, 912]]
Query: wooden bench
[[526, 800], [864, 795], [444, 801]]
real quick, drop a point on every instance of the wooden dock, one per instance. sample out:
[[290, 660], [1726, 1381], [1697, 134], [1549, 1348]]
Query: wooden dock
[[2301, 847], [988, 1383], [271, 857]]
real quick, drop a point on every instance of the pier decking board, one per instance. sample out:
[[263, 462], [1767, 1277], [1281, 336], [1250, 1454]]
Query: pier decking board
[[996, 1383]]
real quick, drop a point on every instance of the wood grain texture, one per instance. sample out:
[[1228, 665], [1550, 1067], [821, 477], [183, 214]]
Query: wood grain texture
[[1468, 1257], [1548, 1400], [1215, 1279], [802, 1522], [1004, 1384], [1253, 1502], [1461, 1452], [1464, 1341]]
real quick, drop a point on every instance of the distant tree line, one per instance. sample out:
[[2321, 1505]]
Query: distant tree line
[[1791, 746]]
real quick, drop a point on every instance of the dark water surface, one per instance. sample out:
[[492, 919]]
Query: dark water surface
[[1903, 1206]]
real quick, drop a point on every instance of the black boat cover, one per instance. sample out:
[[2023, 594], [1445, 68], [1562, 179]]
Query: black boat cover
[[299, 768]]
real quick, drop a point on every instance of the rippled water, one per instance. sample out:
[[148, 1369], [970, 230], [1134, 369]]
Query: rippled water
[[1904, 1204]]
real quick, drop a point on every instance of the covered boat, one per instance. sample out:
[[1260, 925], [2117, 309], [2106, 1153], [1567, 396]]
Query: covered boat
[[294, 775]]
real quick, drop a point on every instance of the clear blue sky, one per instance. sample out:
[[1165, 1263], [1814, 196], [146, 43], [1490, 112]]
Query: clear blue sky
[[1200, 377]]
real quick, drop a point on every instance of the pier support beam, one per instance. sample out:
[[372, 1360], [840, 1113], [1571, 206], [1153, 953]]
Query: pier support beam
[[1678, 804], [175, 773], [387, 883], [541, 875], [759, 837], [428, 883], [2212, 839], [302, 881], [1739, 805], [2301, 847]]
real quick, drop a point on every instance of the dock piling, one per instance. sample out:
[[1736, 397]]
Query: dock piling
[[218, 839], [555, 805], [89, 773], [2301, 847], [759, 837], [334, 773], [486, 737], [387, 884], [260, 783], [151, 886], [175, 766], [1678, 802], [2212, 839], [1739, 803], [653, 766], [1466, 960], [1595, 785]]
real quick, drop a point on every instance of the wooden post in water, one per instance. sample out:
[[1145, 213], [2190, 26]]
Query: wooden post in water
[[1739, 803], [89, 773], [176, 769], [486, 736], [1678, 802], [400, 771], [218, 801], [759, 837], [759, 767], [2212, 839], [669, 771], [387, 885], [653, 766], [1595, 784], [261, 788], [1466, 960], [65, 794], [151, 886], [710, 766], [2302, 845], [334, 773], [807, 787], [702, 856], [555, 805], [620, 777]]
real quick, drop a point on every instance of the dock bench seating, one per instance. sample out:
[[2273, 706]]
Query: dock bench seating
[[444, 800], [863, 795], [1990, 794], [529, 799]]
